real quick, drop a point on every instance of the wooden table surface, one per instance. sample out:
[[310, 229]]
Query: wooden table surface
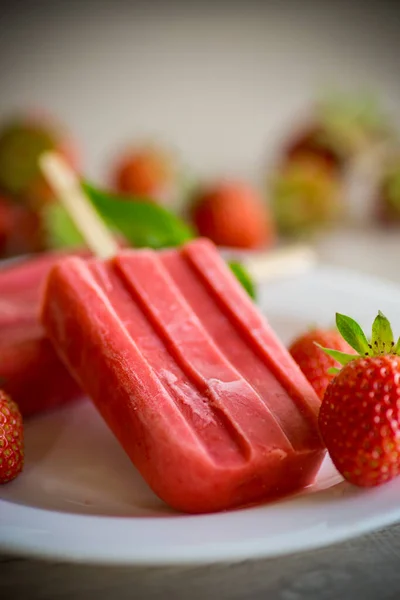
[[367, 568]]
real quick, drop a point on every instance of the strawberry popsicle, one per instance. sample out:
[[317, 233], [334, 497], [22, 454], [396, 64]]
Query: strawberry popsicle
[[201, 394], [30, 370]]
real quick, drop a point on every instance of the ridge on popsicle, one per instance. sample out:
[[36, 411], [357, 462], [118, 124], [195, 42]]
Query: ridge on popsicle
[[188, 375]]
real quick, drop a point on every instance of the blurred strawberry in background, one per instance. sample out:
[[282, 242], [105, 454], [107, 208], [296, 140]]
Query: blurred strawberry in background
[[233, 214], [23, 190], [305, 196], [351, 124], [312, 144], [309, 185], [149, 172], [341, 127], [20, 229], [308, 188], [22, 140]]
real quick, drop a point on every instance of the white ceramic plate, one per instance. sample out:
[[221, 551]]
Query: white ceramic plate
[[80, 499]]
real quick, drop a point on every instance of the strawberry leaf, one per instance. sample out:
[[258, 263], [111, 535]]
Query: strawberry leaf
[[396, 349], [341, 357], [382, 335], [59, 229], [353, 334], [142, 223], [333, 371], [243, 277]]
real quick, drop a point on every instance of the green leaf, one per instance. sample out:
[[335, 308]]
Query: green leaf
[[60, 230], [353, 334], [142, 223], [341, 357], [243, 277], [396, 349], [333, 371], [382, 335]]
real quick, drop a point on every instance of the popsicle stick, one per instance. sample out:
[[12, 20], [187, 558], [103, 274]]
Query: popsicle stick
[[69, 192], [292, 260], [282, 262]]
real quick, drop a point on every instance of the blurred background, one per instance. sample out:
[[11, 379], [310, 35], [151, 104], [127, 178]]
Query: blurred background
[[255, 123]]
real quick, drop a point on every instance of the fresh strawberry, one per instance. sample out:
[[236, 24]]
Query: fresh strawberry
[[11, 439], [232, 214], [149, 172], [360, 414], [313, 361]]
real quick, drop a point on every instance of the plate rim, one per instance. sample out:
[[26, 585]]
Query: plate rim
[[200, 554]]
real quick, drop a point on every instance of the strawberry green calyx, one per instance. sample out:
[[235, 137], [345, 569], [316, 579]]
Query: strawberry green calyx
[[244, 277], [382, 335], [381, 342]]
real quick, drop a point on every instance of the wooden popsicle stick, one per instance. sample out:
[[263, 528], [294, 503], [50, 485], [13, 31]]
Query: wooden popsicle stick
[[283, 262], [69, 192], [263, 266]]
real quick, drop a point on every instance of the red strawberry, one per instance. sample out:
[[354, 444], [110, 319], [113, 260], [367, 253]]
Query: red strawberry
[[11, 439], [148, 172], [232, 214], [360, 414], [313, 361]]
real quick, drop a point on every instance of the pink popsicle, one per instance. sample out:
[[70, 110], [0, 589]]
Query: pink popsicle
[[30, 370], [188, 375]]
